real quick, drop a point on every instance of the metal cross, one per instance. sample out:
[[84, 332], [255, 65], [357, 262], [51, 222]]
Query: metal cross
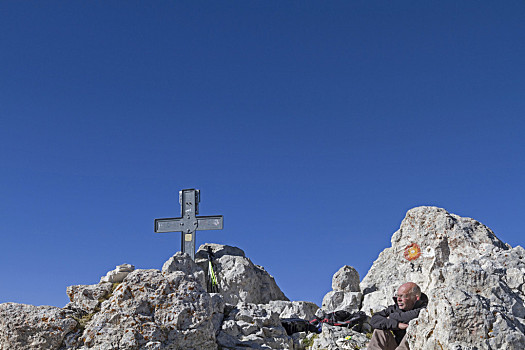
[[188, 223]]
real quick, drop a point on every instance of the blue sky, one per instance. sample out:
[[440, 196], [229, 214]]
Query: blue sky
[[312, 126]]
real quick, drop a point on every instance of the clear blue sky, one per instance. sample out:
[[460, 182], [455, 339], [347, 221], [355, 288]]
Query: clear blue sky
[[312, 126]]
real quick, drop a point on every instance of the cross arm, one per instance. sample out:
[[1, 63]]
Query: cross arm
[[180, 224], [168, 225], [209, 222]]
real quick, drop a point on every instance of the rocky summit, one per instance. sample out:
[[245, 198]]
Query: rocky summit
[[475, 283]]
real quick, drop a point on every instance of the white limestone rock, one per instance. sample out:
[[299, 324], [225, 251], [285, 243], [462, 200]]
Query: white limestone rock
[[154, 310], [471, 308], [252, 326], [473, 280], [28, 327], [258, 326], [87, 298], [346, 294], [339, 338], [293, 309], [346, 280], [337, 300], [217, 310], [239, 279], [375, 301], [441, 237], [117, 275], [301, 340], [182, 262]]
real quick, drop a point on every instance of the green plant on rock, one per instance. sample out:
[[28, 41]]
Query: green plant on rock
[[108, 295], [83, 320], [113, 287], [308, 342]]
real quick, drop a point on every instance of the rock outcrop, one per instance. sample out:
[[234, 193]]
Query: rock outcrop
[[180, 262], [35, 327], [258, 326], [166, 309], [239, 279], [87, 298], [252, 326], [153, 310], [118, 275], [346, 293], [339, 338], [475, 282]]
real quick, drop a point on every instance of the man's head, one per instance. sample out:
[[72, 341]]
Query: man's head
[[407, 295]]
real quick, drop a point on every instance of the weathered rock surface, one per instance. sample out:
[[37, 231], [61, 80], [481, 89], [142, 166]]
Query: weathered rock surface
[[153, 310], [258, 326], [239, 279], [87, 298], [252, 326], [181, 262], [293, 309], [118, 275], [346, 280], [28, 327], [346, 294], [474, 282], [339, 338]]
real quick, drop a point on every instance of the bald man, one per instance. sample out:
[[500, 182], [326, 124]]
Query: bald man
[[390, 324]]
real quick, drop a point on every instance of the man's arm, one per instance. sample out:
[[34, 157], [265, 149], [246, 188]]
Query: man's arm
[[382, 320], [405, 317]]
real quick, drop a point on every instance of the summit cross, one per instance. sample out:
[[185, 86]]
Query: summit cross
[[189, 223]]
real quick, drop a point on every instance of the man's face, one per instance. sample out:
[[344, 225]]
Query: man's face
[[405, 299]]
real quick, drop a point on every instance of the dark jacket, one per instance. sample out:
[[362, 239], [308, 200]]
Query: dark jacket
[[389, 318]]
